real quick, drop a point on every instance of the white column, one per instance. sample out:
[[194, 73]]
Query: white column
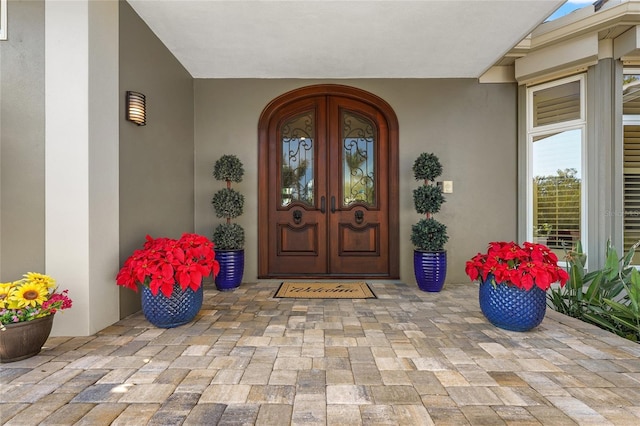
[[81, 160]]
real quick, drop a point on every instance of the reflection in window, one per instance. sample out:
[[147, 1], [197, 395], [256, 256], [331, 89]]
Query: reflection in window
[[557, 188], [358, 154], [296, 178]]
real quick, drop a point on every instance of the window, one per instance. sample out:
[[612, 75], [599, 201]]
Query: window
[[3, 19], [297, 145], [631, 159], [359, 150], [555, 143]]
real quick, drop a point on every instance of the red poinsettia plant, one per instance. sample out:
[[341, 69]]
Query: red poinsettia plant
[[521, 266], [165, 262]]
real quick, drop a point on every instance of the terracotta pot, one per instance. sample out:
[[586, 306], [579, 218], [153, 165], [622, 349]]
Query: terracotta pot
[[24, 339]]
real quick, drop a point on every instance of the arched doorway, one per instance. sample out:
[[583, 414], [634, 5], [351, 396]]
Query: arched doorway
[[328, 185]]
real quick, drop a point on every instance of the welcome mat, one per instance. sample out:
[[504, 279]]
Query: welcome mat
[[330, 290]]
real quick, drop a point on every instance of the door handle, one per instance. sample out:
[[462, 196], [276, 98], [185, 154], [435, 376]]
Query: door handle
[[333, 204], [322, 205]]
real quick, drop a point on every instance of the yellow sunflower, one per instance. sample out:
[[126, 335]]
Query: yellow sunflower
[[29, 294], [5, 292], [36, 278]]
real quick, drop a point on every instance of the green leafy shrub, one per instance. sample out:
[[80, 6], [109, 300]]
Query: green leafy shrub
[[427, 167], [229, 236], [228, 203], [429, 235], [607, 297], [428, 199], [228, 168]]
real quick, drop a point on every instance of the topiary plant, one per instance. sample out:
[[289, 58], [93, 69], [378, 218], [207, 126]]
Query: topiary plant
[[428, 234], [427, 167], [229, 236], [229, 168], [428, 199], [228, 203]]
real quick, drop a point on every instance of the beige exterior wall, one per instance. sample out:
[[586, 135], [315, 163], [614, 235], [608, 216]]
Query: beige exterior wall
[[156, 160], [22, 182], [81, 160], [470, 126]]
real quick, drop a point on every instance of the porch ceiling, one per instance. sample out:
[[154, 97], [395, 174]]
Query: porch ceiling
[[341, 39]]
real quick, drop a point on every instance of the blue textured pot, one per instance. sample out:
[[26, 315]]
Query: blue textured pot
[[231, 269], [181, 308], [430, 268], [510, 307]]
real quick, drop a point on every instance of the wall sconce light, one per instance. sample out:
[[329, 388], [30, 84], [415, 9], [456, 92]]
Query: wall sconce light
[[136, 108]]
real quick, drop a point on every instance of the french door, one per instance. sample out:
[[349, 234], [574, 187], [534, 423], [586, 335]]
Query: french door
[[328, 185]]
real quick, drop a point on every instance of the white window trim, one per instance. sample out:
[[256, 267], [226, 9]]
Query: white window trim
[[532, 131], [3, 19], [550, 127], [631, 120], [628, 120]]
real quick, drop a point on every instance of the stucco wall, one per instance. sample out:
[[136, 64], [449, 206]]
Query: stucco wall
[[156, 160], [22, 142], [470, 126]]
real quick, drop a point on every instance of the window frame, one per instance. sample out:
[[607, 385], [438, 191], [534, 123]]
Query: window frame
[[627, 120], [535, 131], [3, 19]]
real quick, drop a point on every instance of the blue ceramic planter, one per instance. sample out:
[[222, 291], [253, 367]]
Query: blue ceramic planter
[[181, 308], [510, 307], [430, 268], [231, 269]]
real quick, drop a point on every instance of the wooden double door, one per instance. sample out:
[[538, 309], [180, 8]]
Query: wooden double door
[[328, 204]]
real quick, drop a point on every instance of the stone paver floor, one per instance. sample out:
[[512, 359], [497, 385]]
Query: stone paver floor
[[406, 358]]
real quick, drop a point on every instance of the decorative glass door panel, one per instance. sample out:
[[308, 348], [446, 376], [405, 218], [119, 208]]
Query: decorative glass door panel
[[326, 169], [297, 170], [359, 159], [358, 226]]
